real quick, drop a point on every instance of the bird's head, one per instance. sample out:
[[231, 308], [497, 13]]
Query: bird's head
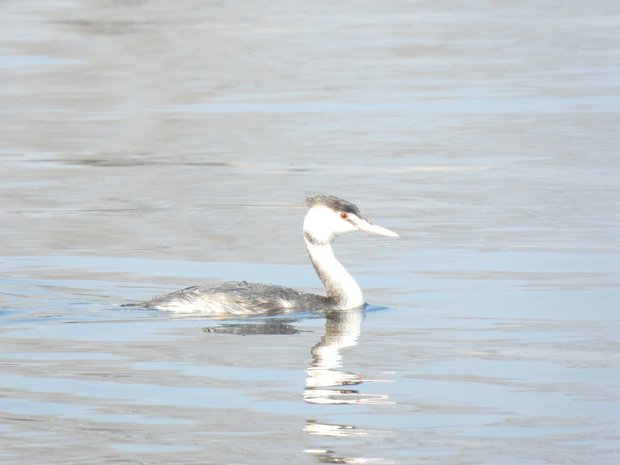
[[329, 217]]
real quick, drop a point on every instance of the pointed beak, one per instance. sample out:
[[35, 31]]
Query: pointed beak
[[370, 228]]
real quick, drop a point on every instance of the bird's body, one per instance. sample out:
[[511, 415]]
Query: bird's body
[[238, 298], [327, 218]]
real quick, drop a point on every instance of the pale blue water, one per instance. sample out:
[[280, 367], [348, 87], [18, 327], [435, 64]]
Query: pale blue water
[[148, 146]]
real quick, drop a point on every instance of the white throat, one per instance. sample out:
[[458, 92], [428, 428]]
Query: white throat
[[339, 284]]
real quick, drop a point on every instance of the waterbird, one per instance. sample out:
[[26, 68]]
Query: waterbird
[[327, 218]]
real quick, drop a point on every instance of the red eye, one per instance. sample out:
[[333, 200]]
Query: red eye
[[343, 216]]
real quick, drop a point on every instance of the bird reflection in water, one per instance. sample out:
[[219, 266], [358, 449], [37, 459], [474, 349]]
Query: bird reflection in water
[[327, 382], [275, 326]]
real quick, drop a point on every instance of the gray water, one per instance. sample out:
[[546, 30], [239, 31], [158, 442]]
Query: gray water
[[151, 145]]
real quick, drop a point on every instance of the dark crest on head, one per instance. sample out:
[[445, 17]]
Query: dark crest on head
[[335, 203]]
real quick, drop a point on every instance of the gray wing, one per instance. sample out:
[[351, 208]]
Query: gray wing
[[237, 298]]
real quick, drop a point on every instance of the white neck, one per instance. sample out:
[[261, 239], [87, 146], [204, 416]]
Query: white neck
[[339, 284]]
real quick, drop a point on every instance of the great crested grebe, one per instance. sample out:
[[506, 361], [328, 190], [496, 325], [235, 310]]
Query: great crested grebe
[[328, 217]]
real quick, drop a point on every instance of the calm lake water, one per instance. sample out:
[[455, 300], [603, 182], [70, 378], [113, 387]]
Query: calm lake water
[[150, 145]]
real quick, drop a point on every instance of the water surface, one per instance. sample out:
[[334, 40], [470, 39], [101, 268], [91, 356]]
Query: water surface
[[150, 145]]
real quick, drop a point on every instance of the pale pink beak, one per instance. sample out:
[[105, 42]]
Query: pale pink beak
[[370, 228]]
